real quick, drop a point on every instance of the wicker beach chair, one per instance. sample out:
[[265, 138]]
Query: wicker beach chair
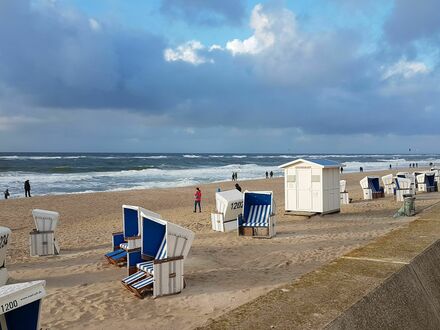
[[258, 218], [371, 187], [159, 262]]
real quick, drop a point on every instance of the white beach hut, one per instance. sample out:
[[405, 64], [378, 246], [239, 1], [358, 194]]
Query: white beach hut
[[5, 236], [388, 183], [229, 205], [312, 186], [426, 182], [20, 305], [42, 239]]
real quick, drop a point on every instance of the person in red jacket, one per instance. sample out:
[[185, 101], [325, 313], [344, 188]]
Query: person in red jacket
[[197, 199]]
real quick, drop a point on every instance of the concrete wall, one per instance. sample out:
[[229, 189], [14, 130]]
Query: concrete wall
[[409, 299]]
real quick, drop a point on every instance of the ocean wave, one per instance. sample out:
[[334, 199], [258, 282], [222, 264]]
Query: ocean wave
[[216, 156], [151, 157], [55, 183], [392, 160], [191, 156], [28, 157], [239, 156], [275, 156], [39, 157]]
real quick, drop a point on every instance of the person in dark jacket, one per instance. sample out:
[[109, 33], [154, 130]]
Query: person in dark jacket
[[7, 194], [237, 186], [27, 189]]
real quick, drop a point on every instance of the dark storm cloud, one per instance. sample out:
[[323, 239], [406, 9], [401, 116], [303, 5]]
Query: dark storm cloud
[[411, 20], [205, 12], [57, 59], [62, 60]]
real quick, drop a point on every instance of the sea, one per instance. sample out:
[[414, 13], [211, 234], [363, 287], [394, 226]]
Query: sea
[[66, 173]]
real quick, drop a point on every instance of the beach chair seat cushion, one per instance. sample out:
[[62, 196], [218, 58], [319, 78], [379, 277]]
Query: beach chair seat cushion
[[114, 253], [142, 284], [133, 278], [146, 266], [119, 256], [258, 216]]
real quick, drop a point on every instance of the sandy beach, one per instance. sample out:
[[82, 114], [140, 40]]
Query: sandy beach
[[222, 272]]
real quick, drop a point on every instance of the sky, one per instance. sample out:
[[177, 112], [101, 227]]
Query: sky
[[333, 76]]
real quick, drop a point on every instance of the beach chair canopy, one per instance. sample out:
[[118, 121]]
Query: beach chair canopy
[[45, 220], [371, 182], [436, 171], [21, 305], [225, 198], [403, 183], [428, 178], [163, 239], [132, 220], [257, 208], [387, 179], [342, 185]]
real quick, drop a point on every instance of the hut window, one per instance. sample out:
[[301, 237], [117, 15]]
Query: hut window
[[316, 178], [291, 178]]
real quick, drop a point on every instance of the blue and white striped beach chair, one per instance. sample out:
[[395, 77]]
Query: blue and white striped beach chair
[[371, 187], [129, 239], [426, 182], [130, 225], [159, 262], [258, 218]]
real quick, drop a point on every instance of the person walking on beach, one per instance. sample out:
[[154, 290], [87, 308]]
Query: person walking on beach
[[236, 176], [271, 174], [390, 166], [237, 186], [342, 169], [27, 189], [233, 176], [197, 199], [267, 175], [7, 194]]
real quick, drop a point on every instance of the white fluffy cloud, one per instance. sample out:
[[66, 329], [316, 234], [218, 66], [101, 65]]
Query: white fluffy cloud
[[405, 69], [187, 52], [262, 38]]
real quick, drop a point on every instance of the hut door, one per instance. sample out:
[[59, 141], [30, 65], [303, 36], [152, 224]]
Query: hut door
[[304, 184]]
